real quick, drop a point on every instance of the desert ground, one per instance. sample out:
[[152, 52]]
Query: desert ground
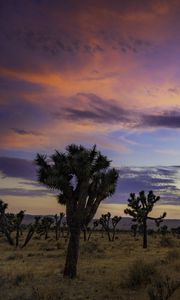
[[106, 270]]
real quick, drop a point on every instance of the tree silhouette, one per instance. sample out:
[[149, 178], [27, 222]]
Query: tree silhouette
[[134, 228], [105, 222], [4, 222], [17, 221], [83, 178], [115, 220], [32, 229], [140, 207], [44, 226], [91, 230]]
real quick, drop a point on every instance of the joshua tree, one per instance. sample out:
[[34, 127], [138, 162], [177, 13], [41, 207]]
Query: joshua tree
[[56, 225], [164, 230], [95, 224], [134, 228], [32, 229], [58, 222], [18, 220], [176, 231], [115, 220], [105, 222], [4, 223], [139, 209], [61, 229], [84, 230], [44, 226], [83, 178]]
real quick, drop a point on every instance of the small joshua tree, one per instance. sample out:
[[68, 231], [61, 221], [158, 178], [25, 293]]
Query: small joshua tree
[[115, 220], [10, 222], [95, 224], [56, 225], [139, 209], [58, 222], [4, 222], [83, 178], [32, 229], [164, 230], [18, 220], [134, 228], [45, 226], [105, 222], [61, 229]]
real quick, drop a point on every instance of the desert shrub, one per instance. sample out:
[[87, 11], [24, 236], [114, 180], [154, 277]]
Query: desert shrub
[[140, 273], [172, 255], [91, 247], [150, 231], [162, 289], [31, 254], [3, 280], [59, 246], [14, 256], [177, 267], [19, 278], [11, 257], [51, 294], [166, 241]]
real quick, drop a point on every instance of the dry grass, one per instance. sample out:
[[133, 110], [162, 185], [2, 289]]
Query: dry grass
[[104, 269]]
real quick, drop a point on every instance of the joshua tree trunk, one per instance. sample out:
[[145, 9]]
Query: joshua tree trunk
[[56, 227], [114, 232], [70, 269], [17, 235], [8, 236], [46, 234], [145, 234], [90, 233], [85, 233], [102, 232], [109, 237]]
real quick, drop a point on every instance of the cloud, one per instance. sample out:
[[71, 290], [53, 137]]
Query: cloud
[[169, 119], [162, 180], [17, 167], [94, 108], [174, 91], [90, 31], [91, 107], [24, 192], [25, 132]]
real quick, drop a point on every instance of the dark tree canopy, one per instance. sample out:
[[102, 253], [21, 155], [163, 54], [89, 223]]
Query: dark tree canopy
[[82, 177]]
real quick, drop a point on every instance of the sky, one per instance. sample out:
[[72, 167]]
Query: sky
[[91, 72]]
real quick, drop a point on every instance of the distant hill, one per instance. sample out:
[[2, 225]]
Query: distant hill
[[124, 224]]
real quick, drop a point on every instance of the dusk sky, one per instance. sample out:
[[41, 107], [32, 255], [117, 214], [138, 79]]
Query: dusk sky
[[91, 72]]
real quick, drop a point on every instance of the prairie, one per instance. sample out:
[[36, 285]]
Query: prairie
[[106, 270]]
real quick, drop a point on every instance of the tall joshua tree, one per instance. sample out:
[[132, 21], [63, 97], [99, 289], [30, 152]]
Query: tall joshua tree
[[83, 178], [139, 209]]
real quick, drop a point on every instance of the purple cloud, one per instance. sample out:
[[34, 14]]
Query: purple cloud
[[16, 167]]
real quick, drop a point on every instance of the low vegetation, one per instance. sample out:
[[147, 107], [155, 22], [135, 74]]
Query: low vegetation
[[106, 270]]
